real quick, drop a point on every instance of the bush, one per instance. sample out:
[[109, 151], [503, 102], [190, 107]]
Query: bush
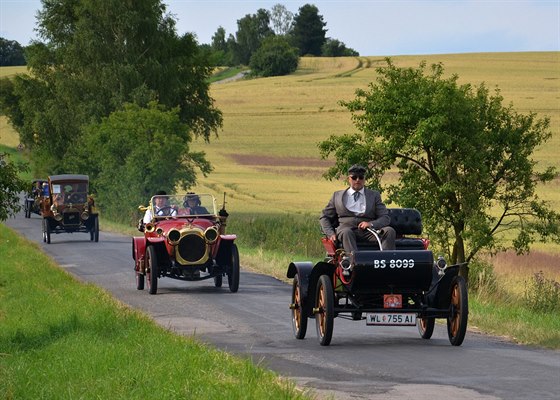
[[542, 294], [275, 57], [481, 276]]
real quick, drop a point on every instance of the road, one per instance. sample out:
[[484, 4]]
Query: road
[[361, 363]]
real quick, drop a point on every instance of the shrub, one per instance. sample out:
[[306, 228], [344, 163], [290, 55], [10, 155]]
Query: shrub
[[275, 57], [542, 294]]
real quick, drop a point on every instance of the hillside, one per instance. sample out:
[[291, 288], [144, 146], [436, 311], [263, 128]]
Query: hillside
[[272, 125]]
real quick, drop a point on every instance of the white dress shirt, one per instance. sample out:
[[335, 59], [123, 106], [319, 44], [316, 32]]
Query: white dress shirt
[[356, 206]]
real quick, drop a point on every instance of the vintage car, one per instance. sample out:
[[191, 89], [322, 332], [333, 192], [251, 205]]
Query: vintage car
[[405, 286], [34, 196], [68, 207], [185, 239]]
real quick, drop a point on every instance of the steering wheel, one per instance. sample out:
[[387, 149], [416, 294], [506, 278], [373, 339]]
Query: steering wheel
[[165, 211], [76, 198]]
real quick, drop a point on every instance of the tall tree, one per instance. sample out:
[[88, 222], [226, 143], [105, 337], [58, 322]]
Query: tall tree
[[308, 34], [281, 20], [98, 56], [464, 160], [11, 53], [251, 31], [135, 152]]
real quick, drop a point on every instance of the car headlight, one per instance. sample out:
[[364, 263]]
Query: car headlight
[[173, 236], [211, 234]]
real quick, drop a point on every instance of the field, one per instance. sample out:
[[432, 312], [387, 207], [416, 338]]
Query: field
[[267, 161]]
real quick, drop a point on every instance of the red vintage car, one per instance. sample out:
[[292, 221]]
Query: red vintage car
[[184, 238], [398, 287]]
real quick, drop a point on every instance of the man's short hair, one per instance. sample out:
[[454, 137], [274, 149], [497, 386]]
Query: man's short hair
[[356, 169]]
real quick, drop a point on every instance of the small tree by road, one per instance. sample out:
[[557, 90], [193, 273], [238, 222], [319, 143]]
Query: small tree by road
[[463, 159], [11, 185]]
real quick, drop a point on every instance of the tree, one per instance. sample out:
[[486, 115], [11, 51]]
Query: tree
[[11, 53], [281, 20], [96, 57], [136, 152], [308, 34], [11, 185], [464, 160], [275, 57], [335, 48], [251, 31]]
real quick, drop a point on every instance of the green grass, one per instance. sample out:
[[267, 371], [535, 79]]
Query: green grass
[[61, 339]]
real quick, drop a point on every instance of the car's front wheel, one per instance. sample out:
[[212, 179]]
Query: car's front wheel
[[152, 270], [46, 231], [299, 319], [233, 274]]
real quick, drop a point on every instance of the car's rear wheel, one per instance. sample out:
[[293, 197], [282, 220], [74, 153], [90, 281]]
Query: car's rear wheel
[[152, 270], [324, 310], [27, 209], [46, 231], [233, 273], [459, 311], [299, 319], [426, 327], [218, 280]]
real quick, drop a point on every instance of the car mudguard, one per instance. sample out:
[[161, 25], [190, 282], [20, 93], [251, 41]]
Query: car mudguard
[[138, 247], [308, 277], [439, 294]]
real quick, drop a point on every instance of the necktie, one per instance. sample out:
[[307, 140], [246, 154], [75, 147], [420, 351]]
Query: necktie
[[356, 195]]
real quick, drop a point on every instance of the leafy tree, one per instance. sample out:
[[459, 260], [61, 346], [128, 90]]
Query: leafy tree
[[281, 20], [464, 159], [275, 57], [11, 53], [98, 56], [11, 185], [136, 152], [335, 48], [251, 31], [308, 34]]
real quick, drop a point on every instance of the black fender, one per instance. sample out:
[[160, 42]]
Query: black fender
[[440, 293], [308, 277]]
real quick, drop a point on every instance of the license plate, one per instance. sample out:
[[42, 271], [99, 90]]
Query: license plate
[[401, 319]]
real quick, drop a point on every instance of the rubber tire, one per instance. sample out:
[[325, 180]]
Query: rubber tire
[[459, 311], [324, 319], [151, 270], [96, 229], [426, 327], [139, 280], [46, 231], [218, 280], [233, 274], [27, 209], [299, 321]]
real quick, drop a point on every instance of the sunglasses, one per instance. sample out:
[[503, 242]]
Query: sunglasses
[[356, 177]]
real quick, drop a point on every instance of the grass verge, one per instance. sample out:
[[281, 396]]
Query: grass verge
[[61, 339]]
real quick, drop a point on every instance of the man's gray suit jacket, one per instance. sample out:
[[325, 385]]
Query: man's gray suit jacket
[[336, 214]]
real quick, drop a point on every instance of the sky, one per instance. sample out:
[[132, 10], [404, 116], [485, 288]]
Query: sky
[[371, 27]]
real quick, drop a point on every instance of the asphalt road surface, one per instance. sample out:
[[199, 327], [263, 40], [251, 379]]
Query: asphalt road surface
[[362, 362]]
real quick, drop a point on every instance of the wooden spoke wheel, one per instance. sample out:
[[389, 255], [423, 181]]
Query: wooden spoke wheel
[[299, 319], [459, 311], [324, 310], [152, 270]]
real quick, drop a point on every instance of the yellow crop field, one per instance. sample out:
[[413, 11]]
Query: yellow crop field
[[266, 157]]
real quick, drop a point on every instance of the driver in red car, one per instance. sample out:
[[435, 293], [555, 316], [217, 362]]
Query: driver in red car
[[161, 208]]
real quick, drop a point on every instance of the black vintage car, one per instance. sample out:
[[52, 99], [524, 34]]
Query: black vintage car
[[33, 197], [69, 208], [403, 287]]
